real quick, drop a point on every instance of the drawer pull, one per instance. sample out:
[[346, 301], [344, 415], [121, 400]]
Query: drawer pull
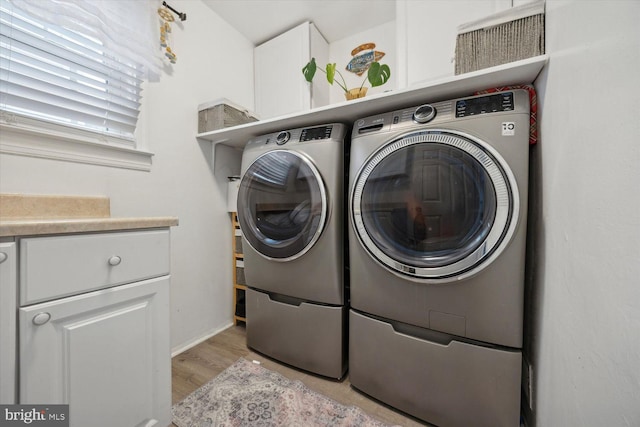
[[3, 257], [41, 318], [115, 260]]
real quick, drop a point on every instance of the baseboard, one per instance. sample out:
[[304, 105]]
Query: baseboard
[[184, 347]]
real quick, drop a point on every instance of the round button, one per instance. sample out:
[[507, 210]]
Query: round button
[[115, 260], [424, 113], [282, 138]]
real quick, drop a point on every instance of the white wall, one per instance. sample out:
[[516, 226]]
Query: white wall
[[181, 182], [584, 291], [384, 37], [583, 307]]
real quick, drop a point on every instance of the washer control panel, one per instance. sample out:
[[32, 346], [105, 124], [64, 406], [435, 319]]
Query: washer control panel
[[441, 112], [485, 104]]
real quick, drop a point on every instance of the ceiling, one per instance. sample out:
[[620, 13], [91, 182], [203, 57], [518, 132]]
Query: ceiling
[[261, 20]]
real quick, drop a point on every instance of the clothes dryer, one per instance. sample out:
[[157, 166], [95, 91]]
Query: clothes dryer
[[438, 208], [290, 209]]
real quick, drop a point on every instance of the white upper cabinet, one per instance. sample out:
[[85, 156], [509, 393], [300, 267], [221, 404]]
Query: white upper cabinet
[[280, 87], [426, 35]]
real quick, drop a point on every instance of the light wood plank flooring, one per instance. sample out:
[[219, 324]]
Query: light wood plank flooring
[[201, 363]]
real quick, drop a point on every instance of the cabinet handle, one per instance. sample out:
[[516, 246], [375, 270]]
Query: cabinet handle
[[3, 257], [115, 260], [41, 318]]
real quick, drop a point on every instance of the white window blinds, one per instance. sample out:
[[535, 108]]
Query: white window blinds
[[59, 75]]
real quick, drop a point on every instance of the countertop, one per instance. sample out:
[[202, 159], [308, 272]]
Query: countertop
[[36, 215], [38, 227]]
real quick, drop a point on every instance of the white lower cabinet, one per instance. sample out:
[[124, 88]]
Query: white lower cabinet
[[105, 352], [7, 322]]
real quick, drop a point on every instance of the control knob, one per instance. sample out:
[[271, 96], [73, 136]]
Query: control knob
[[282, 138], [424, 113]]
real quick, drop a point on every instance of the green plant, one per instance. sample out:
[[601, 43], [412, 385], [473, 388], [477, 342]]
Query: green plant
[[377, 74]]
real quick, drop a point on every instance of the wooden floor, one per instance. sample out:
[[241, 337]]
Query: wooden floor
[[201, 363]]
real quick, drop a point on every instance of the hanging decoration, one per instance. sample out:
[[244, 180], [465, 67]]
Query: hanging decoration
[[363, 56], [166, 16], [165, 30]]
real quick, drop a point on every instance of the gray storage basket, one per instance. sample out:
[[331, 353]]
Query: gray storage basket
[[512, 35], [238, 245], [222, 113], [240, 280]]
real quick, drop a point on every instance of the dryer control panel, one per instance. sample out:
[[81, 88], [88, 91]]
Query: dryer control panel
[[288, 138], [321, 132]]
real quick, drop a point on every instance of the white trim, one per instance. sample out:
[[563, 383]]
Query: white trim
[[35, 138], [513, 13], [189, 344], [402, 44]]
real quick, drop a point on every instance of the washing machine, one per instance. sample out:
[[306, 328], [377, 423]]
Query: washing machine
[[291, 213], [437, 228]]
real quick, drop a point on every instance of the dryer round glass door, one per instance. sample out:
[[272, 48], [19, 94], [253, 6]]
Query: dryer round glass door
[[282, 205], [434, 205]]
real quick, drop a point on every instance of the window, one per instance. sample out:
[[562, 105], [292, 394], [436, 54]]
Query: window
[[66, 82]]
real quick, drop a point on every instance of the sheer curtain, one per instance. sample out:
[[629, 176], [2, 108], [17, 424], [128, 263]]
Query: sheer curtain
[[125, 27], [78, 64]]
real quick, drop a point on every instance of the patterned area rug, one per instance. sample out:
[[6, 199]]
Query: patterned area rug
[[246, 394]]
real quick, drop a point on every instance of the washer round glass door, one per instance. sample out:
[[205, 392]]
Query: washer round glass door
[[434, 205], [282, 205]]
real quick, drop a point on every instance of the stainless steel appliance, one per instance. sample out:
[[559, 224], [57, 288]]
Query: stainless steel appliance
[[438, 209], [290, 209]]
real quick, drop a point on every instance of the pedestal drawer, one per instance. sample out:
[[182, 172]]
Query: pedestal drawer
[[58, 266], [449, 384], [308, 336]]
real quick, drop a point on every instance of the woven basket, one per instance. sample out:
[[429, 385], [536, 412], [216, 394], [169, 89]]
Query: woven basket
[[220, 114], [512, 35]]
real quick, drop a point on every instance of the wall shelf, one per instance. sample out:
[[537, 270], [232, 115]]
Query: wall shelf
[[239, 286], [519, 72]]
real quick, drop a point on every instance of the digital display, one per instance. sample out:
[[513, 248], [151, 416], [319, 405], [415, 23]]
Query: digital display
[[485, 104], [309, 134]]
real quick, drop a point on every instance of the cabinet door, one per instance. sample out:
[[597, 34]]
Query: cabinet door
[[280, 87], [8, 288], [105, 353], [426, 36]]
